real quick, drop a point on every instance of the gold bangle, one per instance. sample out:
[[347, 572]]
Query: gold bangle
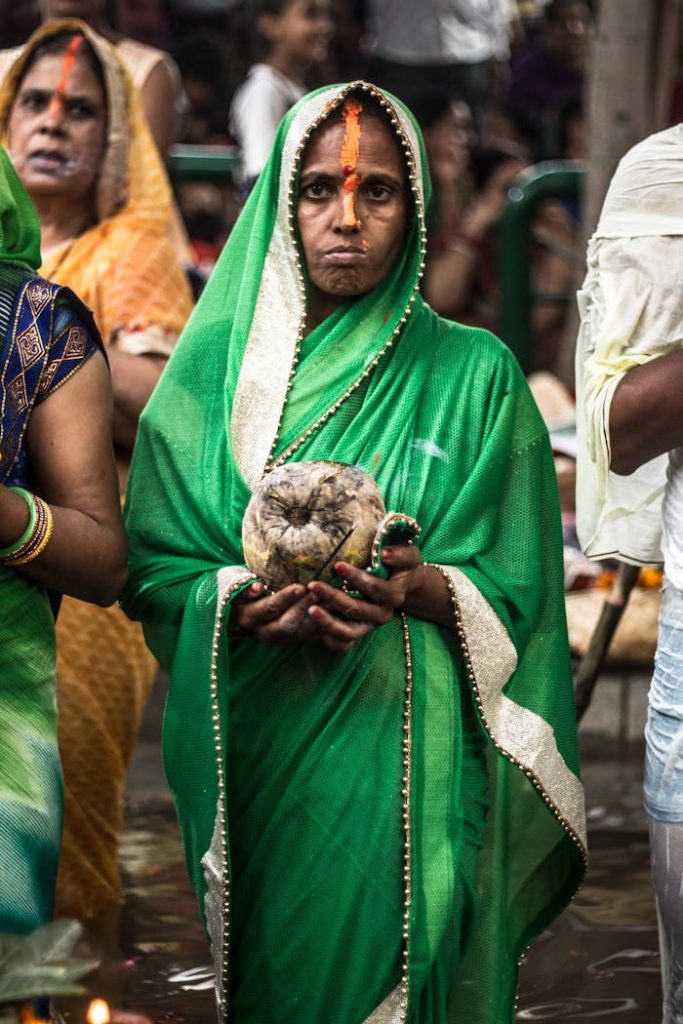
[[18, 555], [41, 535]]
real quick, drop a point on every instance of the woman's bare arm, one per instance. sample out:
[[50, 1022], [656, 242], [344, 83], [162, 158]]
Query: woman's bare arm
[[134, 378], [159, 95], [72, 465]]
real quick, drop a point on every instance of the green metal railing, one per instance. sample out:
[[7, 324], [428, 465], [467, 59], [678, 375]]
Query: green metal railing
[[204, 163], [551, 179]]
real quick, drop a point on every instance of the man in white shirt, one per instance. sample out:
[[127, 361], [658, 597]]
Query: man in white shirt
[[629, 381], [451, 47]]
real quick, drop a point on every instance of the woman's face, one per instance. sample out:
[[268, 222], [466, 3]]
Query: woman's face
[[57, 128], [351, 220], [302, 32]]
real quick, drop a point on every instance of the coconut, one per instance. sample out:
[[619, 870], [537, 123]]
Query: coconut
[[303, 517]]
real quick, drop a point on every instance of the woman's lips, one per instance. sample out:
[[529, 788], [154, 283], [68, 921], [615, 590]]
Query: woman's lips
[[48, 161], [344, 255]]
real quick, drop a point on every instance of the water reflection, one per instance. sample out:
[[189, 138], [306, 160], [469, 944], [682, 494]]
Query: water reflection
[[575, 1010], [598, 961]]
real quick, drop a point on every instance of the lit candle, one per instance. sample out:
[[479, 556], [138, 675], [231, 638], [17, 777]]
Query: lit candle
[[98, 1012]]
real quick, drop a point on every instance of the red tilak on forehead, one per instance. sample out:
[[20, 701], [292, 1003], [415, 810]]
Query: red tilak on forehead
[[68, 62], [349, 158]]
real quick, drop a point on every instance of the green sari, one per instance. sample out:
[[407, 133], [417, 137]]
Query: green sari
[[373, 836], [30, 775]]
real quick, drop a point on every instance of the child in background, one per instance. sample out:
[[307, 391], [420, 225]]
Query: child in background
[[290, 35]]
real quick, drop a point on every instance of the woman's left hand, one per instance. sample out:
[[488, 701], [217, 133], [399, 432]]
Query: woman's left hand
[[345, 619]]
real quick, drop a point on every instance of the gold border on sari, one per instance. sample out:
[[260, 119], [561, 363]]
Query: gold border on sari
[[389, 1011], [521, 735], [215, 862]]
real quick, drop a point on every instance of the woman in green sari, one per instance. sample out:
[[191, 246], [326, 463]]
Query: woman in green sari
[[60, 530], [378, 794]]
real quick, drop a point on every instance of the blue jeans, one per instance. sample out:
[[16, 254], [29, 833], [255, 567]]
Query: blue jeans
[[664, 729]]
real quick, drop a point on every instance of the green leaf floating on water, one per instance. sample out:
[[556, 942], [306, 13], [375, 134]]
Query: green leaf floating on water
[[41, 964]]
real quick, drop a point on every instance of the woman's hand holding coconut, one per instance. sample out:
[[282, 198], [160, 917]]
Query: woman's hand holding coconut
[[324, 614]]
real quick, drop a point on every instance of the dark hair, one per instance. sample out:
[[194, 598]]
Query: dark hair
[[371, 108], [429, 108], [59, 43], [553, 10], [201, 56]]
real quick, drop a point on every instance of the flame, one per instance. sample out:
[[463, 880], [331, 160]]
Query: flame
[[98, 1012]]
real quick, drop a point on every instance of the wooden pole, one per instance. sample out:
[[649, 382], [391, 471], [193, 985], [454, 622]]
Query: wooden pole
[[591, 664]]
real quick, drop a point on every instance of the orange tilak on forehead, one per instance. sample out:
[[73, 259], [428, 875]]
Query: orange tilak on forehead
[[349, 159], [68, 62]]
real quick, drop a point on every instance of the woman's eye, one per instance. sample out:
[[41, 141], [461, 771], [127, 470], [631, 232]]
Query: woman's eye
[[379, 193], [316, 191], [81, 111], [31, 101]]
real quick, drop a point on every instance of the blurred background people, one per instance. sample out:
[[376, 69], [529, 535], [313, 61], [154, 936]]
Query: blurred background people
[[459, 47], [154, 72], [78, 137], [550, 72], [288, 36], [462, 271]]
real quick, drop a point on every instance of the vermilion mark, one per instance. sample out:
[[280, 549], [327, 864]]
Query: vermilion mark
[[349, 159], [68, 62]]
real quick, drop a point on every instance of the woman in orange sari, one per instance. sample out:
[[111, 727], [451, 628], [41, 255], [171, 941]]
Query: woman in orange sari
[[77, 136]]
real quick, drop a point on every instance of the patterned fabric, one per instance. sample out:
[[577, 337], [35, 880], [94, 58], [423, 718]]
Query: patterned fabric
[[46, 336], [373, 836], [104, 675]]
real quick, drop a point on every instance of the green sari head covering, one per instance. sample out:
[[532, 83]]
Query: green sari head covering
[[19, 225], [374, 837]]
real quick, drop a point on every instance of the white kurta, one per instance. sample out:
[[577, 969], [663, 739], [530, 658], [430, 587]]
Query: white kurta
[[631, 306]]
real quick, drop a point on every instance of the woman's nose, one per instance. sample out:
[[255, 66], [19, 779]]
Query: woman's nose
[[345, 211], [54, 119]]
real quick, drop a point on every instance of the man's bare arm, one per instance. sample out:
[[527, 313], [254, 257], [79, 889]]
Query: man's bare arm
[[646, 415]]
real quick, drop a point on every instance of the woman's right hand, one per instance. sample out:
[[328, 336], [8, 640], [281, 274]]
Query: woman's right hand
[[285, 618], [279, 618]]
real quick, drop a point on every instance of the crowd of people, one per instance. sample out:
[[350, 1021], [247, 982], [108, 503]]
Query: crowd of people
[[509, 75], [377, 777]]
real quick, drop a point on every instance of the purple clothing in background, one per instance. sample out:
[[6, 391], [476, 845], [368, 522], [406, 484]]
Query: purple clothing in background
[[540, 84]]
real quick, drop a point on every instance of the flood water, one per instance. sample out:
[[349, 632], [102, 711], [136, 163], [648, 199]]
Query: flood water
[[598, 962]]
